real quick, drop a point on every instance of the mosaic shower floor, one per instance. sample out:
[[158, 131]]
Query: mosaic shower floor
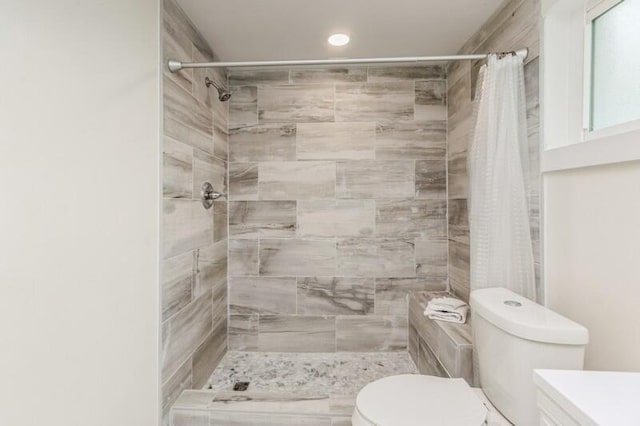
[[331, 374]]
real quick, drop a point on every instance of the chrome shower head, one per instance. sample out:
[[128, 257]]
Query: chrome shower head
[[223, 94]]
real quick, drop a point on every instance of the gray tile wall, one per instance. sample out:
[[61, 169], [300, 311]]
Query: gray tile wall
[[194, 267], [337, 189], [514, 26]]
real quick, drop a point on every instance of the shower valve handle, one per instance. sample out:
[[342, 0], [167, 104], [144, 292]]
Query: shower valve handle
[[208, 195]]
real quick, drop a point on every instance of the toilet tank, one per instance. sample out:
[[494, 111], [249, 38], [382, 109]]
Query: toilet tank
[[512, 336]]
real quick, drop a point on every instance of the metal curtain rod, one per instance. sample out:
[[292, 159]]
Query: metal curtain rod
[[175, 66]]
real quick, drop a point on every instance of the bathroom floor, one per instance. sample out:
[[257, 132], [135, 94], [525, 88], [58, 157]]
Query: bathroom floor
[[292, 389], [331, 374]]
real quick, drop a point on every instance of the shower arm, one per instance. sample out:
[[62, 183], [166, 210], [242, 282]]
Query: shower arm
[[175, 66]]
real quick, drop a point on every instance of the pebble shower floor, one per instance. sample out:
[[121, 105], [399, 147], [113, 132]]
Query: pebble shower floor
[[335, 374]]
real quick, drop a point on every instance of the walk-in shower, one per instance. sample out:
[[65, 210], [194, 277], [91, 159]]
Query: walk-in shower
[[344, 184]]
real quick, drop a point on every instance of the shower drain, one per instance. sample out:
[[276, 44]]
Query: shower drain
[[241, 386]]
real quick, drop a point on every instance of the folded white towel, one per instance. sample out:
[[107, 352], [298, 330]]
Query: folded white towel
[[447, 309]]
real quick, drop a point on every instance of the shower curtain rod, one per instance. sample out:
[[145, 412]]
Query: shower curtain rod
[[175, 66]]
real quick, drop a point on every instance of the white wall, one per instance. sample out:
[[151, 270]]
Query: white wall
[[79, 209], [592, 258]]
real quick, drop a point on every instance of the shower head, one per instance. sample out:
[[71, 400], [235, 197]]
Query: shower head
[[223, 94]]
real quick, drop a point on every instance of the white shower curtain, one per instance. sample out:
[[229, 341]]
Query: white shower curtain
[[500, 237]]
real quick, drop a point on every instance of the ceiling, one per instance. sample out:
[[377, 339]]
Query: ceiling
[[245, 30]]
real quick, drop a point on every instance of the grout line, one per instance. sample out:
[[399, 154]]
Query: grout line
[[259, 257], [446, 171], [414, 100], [335, 91], [296, 283]]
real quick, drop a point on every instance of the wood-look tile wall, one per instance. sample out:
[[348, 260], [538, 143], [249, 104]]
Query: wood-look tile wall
[[194, 266], [337, 205], [514, 26]]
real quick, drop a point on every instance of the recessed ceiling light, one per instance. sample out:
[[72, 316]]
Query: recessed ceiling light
[[338, 39]]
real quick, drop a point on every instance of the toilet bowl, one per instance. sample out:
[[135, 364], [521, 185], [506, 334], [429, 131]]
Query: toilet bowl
[[418, 400], [512, 336]]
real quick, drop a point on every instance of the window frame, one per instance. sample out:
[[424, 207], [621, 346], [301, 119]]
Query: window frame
[[566, 111], [589, 135]]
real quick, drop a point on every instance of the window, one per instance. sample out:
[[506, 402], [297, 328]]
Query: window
[[590, 82], [615, 66]]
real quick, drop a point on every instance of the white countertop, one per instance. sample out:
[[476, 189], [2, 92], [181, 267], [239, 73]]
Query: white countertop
[[594, 397]]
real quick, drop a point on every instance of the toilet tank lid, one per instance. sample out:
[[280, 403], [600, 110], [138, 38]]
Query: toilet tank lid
[[524, 318]]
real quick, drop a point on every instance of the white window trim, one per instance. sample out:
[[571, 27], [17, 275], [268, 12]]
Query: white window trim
[[568, 142]]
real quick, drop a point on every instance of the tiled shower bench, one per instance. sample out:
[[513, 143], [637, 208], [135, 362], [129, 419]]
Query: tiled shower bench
[[439, 348]]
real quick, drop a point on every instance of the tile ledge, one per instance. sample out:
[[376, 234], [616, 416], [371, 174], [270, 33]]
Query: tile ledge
[[254, 402], [460, 330]]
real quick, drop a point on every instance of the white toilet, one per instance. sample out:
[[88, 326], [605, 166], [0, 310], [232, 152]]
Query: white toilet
[[512, 336]]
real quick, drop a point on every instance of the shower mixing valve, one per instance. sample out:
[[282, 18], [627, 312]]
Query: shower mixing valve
[[208, 195]]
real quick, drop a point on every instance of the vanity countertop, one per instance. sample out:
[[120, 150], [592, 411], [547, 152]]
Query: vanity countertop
[[594, 397]]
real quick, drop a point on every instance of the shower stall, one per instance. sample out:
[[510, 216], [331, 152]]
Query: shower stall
[[303, 203]]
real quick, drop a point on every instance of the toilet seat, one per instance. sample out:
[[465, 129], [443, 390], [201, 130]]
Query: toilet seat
[[418, 400]]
